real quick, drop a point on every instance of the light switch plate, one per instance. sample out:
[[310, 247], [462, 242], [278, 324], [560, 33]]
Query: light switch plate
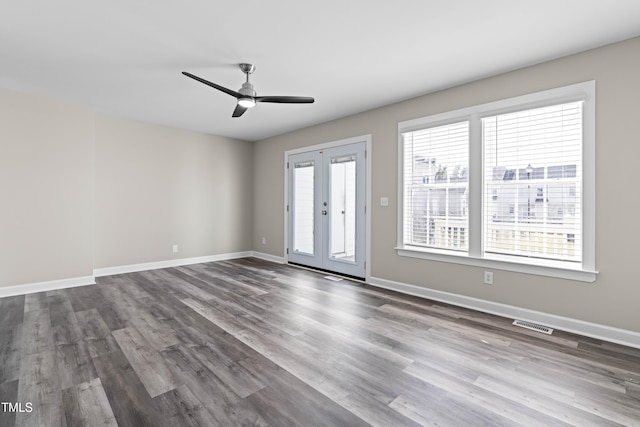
[[384, 201]]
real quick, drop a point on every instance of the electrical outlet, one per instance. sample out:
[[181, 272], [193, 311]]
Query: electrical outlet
[[264, 240], [175, 249], [488, 277]]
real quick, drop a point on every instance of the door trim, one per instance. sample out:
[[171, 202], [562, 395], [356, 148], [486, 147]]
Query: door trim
[[367, 218]]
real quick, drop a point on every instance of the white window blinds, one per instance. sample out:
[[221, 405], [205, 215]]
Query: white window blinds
[[532, 179], [436, 165]]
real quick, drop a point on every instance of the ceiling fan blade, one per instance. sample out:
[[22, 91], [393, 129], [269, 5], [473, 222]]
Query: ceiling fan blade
[[213, 85], [285, 99], [239, 111]]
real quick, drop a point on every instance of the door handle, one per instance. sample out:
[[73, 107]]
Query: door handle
[[324, 212]]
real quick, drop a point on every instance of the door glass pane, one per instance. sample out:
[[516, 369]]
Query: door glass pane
[[343, 208], [303, 198]]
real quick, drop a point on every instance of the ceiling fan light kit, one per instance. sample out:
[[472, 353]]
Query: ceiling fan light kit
[[246, 102], [247, 96]]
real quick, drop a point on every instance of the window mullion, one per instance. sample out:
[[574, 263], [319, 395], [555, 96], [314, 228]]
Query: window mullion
[[475, 186]]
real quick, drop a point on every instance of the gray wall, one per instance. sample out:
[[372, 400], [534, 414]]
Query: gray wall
[[46, 189], [81, 190], [158, 186], [611, 300]]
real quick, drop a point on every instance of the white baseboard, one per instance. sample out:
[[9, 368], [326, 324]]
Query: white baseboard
[[30, 288], [132, 268], [593, 330], [268, 257], [52, 285]]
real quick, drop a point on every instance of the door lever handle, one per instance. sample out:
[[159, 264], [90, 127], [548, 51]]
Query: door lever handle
[[324, 212]]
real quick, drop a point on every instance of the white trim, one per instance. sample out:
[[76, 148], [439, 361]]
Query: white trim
[[573, 92], [367, 139], [132, 268], [268, 257], [588, 329], [326, 145], [368, 205], [52, 285], [30, 288], [545, 268]]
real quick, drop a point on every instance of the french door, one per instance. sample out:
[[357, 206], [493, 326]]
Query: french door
[[326, 208]]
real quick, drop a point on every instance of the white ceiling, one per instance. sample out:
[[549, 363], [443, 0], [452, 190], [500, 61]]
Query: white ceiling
[[124, 58]]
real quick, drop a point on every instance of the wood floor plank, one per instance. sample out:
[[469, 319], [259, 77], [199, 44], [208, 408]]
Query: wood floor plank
[[109, 309], [214, 394], [11, 310], [540, 402], [191, 290], [37, 334], [303, 364], [8, 394], [162, 279], [276, 407], [146, 362], [632, 388], [239, 380], [207, 275], [309, 407], [375, 413], [448, 382], [127, 396], [73, 358], [59, 305], [96, 333], [187, 326], [35, 302], [85, 297], [74, 364], [283, 355], [180, 407], [86, 404], [251, 308], [137, 315], [457, 413], [10, 352], [615, 407], [39, 385]]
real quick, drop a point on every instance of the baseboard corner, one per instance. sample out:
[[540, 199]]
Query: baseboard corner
[[268, 257]]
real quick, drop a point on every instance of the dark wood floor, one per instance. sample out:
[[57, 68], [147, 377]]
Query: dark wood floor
[[248, 342]]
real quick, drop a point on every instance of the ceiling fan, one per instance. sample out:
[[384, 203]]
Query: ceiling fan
[[247, 96]]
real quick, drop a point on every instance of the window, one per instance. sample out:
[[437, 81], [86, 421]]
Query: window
[[435, 180], [506, 185], [537, 202]]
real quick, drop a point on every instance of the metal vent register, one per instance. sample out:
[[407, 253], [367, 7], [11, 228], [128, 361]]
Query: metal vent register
[[533, 326]]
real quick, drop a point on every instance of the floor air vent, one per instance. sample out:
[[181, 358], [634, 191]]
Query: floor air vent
[[533, 326]]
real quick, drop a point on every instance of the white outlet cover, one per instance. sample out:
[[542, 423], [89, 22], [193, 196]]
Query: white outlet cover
[[384, 201], [488, 277]]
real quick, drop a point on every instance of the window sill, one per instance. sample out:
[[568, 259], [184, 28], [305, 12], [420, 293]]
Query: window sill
[[540, 267]]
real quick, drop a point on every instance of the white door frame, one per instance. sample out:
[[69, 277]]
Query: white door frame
[[363, 138]]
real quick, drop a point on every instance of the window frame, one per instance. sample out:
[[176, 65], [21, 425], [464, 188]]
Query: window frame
[[475, 256], [446, 186]]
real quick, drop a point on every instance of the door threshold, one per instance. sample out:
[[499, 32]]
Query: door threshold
[[333, 273]]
